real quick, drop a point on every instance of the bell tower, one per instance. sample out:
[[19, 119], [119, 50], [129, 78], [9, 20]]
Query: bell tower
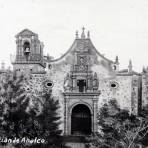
[[29, 53]]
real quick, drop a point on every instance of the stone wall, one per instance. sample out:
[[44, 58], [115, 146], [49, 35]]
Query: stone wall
[[121, 92], [144, 89], [27, 68]]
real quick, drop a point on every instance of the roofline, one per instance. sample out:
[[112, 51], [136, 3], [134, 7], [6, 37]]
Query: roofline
[[100, 53], [26, 30], [37, 63], [55, 60], [129, 74]]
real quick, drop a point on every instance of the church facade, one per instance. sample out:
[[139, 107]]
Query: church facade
[[82, 80]]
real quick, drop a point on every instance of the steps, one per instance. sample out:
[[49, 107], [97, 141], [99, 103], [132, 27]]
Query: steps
[[74, 141], [75, 145]]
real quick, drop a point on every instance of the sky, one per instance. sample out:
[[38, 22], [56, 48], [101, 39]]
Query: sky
[[117, 27]]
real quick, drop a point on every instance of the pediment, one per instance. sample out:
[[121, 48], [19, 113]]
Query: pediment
[[85, 47], [26, 32]]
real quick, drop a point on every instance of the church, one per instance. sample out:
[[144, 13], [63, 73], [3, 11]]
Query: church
[[82, 80]]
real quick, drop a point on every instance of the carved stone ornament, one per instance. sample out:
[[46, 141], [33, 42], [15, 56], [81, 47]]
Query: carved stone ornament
[[95, 82], [67, 83]]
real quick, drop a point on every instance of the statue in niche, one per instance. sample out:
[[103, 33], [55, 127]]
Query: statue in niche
[[95, 81], [67, 83]]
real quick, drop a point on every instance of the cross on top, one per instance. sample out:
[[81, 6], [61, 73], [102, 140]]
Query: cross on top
[[83, 34]]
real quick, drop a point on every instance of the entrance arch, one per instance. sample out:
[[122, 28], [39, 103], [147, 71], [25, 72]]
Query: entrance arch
[[81, 120]]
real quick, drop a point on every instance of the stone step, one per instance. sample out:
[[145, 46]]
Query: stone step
[[72, 138], [75, 145], [75, 141]]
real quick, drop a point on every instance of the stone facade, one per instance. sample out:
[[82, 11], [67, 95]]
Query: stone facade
[[82, 76], [145, 86]]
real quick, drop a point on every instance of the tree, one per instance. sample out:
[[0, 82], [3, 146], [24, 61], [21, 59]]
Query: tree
[[144, 114], [47, 123], [11, 100], [20, 120], [118, 128]]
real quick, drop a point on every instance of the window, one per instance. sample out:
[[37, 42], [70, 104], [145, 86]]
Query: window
[[81, 85], [114, 85], [49, 66], [49, 84], [26, 46]]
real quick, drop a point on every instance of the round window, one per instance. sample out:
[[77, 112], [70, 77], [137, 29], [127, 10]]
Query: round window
[[49, 84], [114, 85], [49, 66]]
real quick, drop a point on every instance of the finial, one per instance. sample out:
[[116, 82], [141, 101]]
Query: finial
[[88, 34], [130, 63], [117, 60], [95, 75], [130, 66], [3, 66], [144, 70], [77, 35], [83, 33]]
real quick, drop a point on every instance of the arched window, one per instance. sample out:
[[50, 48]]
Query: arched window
[[81, 85], [26, 47]]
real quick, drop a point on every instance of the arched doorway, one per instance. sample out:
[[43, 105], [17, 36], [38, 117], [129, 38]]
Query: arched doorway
[[81, 120]]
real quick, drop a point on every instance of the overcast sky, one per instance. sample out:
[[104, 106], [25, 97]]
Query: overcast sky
[[117, 27]]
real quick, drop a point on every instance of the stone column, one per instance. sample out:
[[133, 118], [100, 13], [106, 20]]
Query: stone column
[[20, 47], [88, 83], [95, 107], [74, 83], [69, 123], [32, 47], [65, 116]]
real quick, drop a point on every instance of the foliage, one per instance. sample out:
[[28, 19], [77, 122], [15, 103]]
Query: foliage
[[17, 121], [118, 128]]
